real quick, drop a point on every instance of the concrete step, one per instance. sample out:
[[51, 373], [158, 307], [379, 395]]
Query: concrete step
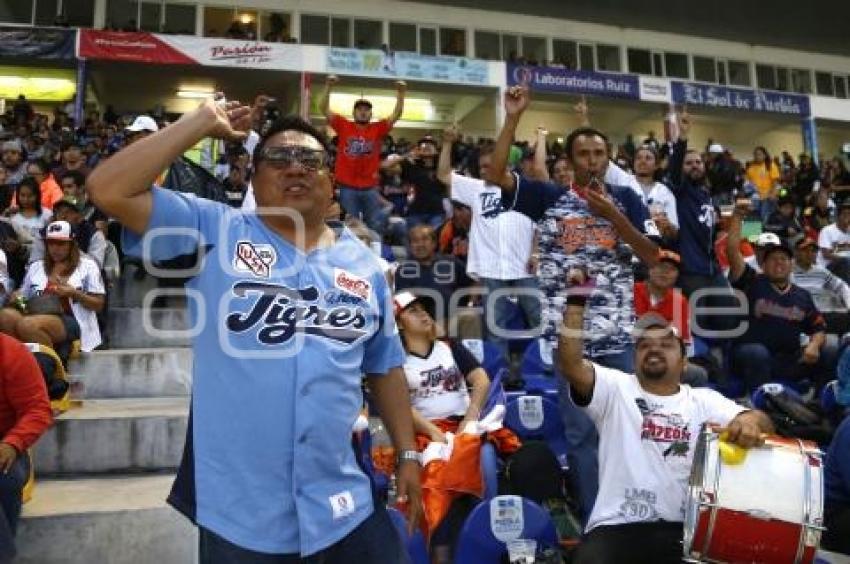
[[116, 520], [132, 373], [132, 327], [114, 436]]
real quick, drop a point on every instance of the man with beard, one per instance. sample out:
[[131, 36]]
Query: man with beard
[[648, 423], [697, 231], [779, 312], [358, 154]]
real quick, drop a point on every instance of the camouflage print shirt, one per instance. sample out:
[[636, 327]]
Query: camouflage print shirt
[[572, 237]]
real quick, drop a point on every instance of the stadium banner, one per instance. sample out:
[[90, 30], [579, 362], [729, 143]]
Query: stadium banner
[[155, 48], [404, 65], [654, 89], [36, 42], [553, 79], [740, 99]]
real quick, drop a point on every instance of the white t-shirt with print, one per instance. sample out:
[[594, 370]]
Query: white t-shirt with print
[[436, 383], [499, 240], [659, 194], [87, 278], [829, 237], [646, 446], [616, 176]]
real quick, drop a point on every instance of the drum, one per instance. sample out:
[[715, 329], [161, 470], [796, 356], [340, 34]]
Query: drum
[[767, 508]]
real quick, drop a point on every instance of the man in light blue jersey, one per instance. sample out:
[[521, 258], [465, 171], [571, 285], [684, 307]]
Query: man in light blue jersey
[[290, 313]]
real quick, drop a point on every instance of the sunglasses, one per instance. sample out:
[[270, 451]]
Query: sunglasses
[[287, 155]]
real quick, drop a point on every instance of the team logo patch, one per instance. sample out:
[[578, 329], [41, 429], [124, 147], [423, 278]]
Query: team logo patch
[[256, 259], [352, 284]]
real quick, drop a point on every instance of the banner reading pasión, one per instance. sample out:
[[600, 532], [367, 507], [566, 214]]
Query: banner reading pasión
[[554, 79]]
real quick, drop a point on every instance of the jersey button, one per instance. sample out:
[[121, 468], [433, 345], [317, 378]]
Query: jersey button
[[303, 438]]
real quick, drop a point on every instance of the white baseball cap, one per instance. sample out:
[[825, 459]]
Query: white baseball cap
[[766, 239], [59, 231], [143, 123], [715, 148]]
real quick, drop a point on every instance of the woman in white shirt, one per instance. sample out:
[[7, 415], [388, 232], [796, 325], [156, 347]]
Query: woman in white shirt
[[74, 280], [439, 374]]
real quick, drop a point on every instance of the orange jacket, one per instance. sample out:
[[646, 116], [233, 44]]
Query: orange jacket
[[444, 480]]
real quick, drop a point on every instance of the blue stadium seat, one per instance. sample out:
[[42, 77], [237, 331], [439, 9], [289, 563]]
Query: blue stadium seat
[[700, 346], [829, 399], [758, 397], [415, 543], [516, 322], [490, 470], [537, 359], [536, 417], [515, 517], [488, 354]]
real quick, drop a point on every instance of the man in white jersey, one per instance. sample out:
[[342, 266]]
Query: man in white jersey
[[648, 428], [501, 244]]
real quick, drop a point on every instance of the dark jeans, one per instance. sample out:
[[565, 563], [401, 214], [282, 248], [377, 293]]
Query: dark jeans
[[713, 322], [530, 305], [756, 365], [363, 204], [374, 541], [659, 542], [837, 535], [11, 486]]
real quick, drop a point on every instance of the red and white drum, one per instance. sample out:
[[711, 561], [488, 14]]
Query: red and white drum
[[767, 508]]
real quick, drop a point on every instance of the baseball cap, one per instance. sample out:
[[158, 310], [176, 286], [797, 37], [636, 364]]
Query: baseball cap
[[806, 242], [405, 299], [362, 102], [13, 145], [715, 148], [653, 320], [142, 123], [665, 255], [770, 241], [59, 231]]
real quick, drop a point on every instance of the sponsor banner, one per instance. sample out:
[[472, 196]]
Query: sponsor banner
[[162, 49], [553, 79], [138, 47], [215, 52], [35, 42], [654, 89], [740, 99], [405, 65]]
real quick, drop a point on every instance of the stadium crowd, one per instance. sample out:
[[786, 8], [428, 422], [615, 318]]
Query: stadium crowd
[[512, 242]]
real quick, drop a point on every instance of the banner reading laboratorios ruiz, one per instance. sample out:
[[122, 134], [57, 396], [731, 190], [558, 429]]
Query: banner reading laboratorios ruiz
[[155, 48]]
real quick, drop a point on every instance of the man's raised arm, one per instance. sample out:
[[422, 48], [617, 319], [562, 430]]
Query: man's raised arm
[[401, 90], [121, 185], [516, 101], [571, 363], [444, 164]]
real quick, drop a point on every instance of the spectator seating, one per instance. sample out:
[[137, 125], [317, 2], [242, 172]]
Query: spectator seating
[[488, 354], [415, 543], [512, 517], [537, 359], [534, 416]]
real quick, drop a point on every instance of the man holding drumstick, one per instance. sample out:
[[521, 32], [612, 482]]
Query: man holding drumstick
[[648, 427]]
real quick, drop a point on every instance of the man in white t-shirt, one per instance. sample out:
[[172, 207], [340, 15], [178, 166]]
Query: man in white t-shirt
[[501, 244], [834, 243], [648, 426]]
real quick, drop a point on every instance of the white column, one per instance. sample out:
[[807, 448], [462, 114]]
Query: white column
[[199, 21], [99, 14]]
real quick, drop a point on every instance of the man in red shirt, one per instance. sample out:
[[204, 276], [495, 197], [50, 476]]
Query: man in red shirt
[[24, 416], [358, 154], [658, 295]]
